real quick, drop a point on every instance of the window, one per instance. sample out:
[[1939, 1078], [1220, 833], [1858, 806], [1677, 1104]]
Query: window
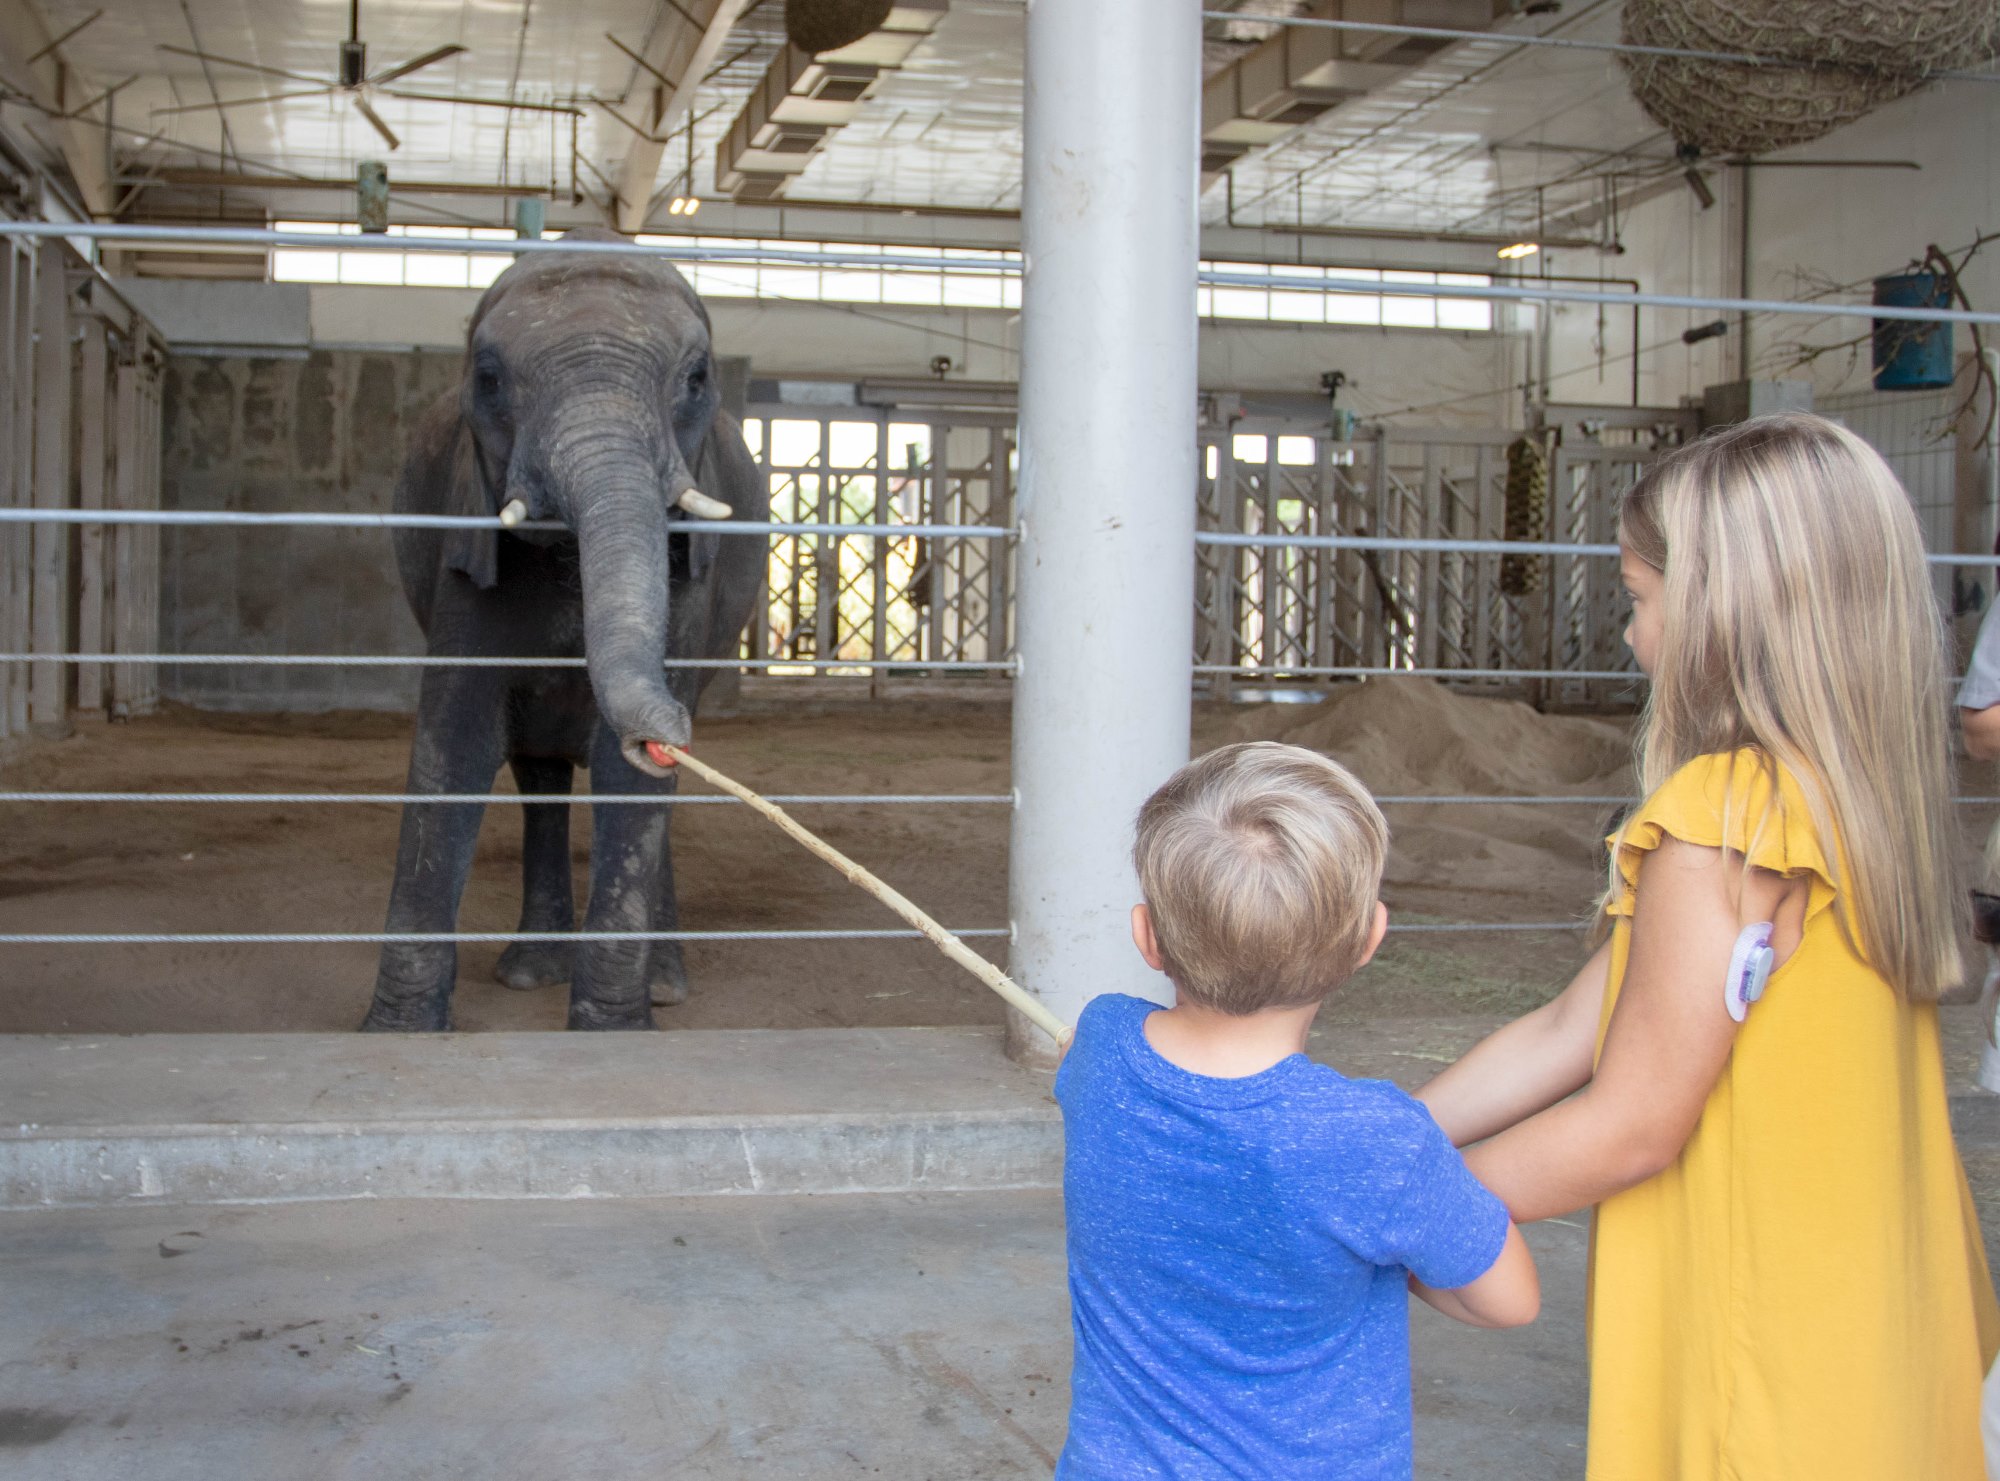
[[425, 269], [1311, 302], [978, 285]]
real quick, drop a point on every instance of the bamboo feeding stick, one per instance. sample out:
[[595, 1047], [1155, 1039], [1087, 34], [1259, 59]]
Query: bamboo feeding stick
[[950, 945]]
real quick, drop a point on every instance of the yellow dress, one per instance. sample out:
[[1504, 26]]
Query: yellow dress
[[1803, 1294]]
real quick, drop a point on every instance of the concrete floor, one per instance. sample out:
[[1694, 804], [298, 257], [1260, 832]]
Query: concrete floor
[[923, 1337], [173, 1323]]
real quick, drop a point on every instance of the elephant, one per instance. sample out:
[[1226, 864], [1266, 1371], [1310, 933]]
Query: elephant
[[588, 402]]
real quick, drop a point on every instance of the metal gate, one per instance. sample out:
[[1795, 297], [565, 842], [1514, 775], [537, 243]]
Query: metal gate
[[913, 599], [1276, 615], [79, 429]]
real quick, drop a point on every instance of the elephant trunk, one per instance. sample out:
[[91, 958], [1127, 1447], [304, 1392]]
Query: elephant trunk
[[618, 507]]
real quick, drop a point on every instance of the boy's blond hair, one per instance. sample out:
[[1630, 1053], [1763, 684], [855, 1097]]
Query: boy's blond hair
[[1261, 864]]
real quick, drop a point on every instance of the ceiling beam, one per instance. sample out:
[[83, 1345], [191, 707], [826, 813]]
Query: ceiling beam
[[192, 179], [641, 170], [200, 179], [24, 33]]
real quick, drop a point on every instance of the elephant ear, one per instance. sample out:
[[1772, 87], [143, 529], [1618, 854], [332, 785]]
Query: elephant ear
[[476, 552]]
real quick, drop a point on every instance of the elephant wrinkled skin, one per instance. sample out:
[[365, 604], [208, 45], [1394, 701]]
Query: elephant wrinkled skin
[[588, 399]]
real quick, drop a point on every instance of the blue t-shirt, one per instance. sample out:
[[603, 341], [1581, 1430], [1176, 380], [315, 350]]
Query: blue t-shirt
[[1237, 1260]]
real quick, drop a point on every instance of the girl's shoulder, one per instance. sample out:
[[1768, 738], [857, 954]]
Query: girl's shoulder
[[1746, 801], [1747, 781]]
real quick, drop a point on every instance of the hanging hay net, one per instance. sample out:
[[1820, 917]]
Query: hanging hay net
[[1853, 56], [827, 25], [1527, 514]]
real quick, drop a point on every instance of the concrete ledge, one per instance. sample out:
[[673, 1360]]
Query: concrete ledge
[[278, 1118]]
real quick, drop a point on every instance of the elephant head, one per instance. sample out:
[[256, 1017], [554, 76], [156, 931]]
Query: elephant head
[[587, 395]]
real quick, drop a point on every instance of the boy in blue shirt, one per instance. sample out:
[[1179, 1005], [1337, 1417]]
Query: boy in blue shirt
[[1243, 1223]]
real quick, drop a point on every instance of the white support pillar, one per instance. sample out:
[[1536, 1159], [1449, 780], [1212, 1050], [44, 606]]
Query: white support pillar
[[1105, 591]]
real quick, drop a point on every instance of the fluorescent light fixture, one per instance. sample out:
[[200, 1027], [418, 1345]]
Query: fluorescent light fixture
[[683, 205], [1519, 249]]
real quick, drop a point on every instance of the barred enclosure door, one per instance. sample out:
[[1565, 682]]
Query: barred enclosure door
[[1264, 615], [1274, 615], [915, 599]]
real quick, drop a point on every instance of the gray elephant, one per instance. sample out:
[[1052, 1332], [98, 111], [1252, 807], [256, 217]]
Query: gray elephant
[[588, 399]]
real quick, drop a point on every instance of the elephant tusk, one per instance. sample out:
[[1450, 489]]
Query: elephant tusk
[[512, 513], [695, 502]]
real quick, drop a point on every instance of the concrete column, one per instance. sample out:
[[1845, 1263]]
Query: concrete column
[[1105, 599]]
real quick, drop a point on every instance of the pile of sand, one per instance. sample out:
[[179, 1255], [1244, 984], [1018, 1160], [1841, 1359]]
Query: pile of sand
[[1416, 737]]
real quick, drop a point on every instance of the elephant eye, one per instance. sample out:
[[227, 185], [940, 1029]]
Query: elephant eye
[[486, 381]]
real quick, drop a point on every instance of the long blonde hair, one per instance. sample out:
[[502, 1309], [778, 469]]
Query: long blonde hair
[[1800, 622]]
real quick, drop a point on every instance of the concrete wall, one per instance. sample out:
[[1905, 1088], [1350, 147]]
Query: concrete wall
[[1818, 227], [1810, 230], [322, 430], [1672, 245]]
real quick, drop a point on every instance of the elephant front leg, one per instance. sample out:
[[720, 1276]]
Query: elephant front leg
[[548, 901], [668, 976], [610, 987], [456, 750]]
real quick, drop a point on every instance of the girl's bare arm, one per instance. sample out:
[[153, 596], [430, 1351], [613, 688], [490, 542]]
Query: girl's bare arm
[[1525, 1067], [1667, 1044]]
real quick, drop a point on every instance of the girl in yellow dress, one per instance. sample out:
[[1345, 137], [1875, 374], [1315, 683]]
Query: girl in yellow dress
[[1787, 1281]]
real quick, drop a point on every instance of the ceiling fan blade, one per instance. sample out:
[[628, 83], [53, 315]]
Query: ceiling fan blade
[[221, 61], [220, 104], [397, 92], [417, 63], [375, 121]]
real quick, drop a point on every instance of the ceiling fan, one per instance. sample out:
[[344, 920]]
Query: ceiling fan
[[353, 80]]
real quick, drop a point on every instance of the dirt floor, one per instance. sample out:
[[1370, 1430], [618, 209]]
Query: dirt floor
[[261, 868]]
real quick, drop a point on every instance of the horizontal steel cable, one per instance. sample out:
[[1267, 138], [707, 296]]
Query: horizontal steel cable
[[326, 519], [818, 665], [1440, 928], [453, 660], [518, 799], [1363, 671], [1423, 545], [1273, 539], [1510, 293], [439, 938], [1496, 292], [682, 799], [257, 236]]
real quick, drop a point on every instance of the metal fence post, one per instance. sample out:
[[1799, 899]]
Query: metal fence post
[[92, 420], [48, 683]]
